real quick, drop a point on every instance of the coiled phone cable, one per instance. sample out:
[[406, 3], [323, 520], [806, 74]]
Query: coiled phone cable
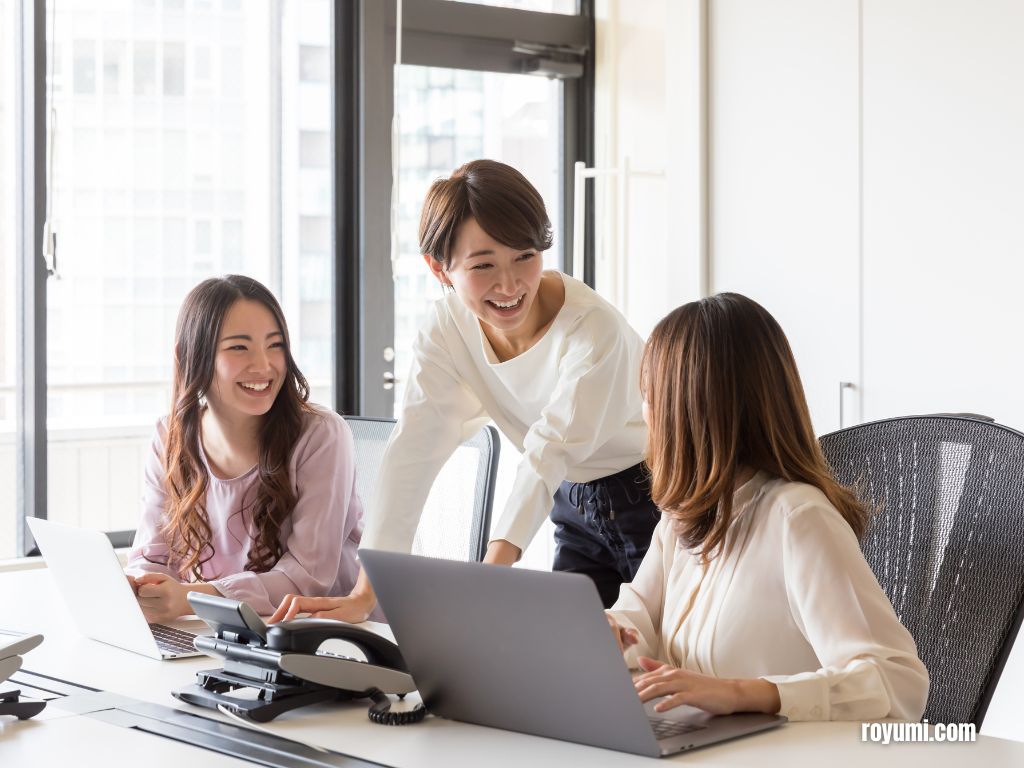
[[380, 711]]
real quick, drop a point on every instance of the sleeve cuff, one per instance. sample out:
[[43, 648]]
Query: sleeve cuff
[[140, 566], [804, 696], [512, 534], [234, 588], [523, 516], [394, 539]]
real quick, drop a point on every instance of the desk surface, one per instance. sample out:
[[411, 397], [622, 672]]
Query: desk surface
[[30, 604]]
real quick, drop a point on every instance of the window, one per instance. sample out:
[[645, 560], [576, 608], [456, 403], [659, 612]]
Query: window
[[158, 185], [144, 68], [85, 67], [315, 149], [201, 65], [511, 118], [174, 69], [314, 63], [115, 67], [211, 136], [10, 70], [516, 90]]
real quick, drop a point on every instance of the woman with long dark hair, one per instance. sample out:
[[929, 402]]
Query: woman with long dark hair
[[754, 594], [249, 488]]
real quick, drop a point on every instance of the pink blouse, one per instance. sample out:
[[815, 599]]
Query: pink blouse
[[319, 538]]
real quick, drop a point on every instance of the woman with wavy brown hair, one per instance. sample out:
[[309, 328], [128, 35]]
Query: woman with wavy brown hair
[[754, 594], [249, 488]]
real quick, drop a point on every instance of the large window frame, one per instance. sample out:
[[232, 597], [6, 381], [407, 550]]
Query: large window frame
[[437, 33], [31, 275]]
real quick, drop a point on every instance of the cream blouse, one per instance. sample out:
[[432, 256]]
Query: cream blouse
[[792, 601]]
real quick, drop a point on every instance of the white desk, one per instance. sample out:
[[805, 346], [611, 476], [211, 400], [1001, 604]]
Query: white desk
[[29, 603]]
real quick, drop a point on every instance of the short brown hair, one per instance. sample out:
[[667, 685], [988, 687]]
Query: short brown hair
[[505, 205], [723, 390]]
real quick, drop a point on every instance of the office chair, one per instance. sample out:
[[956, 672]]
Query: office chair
[[946, 543], [457, 516]]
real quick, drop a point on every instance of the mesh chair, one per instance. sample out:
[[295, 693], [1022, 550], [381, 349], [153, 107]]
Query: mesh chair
[[946, 543], [456, 519]]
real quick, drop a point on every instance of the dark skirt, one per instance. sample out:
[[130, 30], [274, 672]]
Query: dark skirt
[[603, 528]]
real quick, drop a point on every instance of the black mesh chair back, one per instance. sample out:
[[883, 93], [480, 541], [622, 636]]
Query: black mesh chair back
[[457, 517], [946, 543]]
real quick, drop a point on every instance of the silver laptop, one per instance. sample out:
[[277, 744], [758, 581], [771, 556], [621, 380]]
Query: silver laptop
[[88, 575], [529, 651]]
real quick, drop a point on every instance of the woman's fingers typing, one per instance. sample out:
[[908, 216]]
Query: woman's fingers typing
[[677, 687], [319, 607]]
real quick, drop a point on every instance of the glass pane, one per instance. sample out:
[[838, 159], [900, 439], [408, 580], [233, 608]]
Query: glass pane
[[175, 161], [9, 70], [550, 6], [449, 117]]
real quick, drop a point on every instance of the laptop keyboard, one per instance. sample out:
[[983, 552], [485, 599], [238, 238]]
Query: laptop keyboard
[[664, 729], [173, 640]]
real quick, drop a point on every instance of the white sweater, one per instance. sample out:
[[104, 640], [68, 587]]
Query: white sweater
[[571, 404], [794, 602]]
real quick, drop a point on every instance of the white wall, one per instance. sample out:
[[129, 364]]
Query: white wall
[[783, 169], [943, 198], [863, 181], [780, 125]]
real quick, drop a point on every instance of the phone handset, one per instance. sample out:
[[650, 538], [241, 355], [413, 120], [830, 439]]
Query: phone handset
[[384, 671], [307, 635]]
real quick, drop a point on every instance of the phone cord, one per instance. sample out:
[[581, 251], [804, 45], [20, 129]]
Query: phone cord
[[380, 712]]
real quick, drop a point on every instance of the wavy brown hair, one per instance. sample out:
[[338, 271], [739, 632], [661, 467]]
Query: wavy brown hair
[[187, 528], [723, 392]]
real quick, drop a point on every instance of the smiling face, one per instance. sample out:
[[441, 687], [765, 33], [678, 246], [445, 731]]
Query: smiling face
[[250, 363], [497, 283]]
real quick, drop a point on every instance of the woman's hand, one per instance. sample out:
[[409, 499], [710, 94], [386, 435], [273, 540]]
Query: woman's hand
[[161, 597], [352, 609], [624, 636], [712, 694]]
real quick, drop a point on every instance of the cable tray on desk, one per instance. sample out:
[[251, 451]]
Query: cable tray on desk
[[229, 739]]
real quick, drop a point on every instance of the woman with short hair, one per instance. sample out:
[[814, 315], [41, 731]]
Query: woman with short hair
[[553, 364]]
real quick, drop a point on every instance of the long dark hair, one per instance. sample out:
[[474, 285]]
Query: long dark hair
[[187, 528], [723, 390]]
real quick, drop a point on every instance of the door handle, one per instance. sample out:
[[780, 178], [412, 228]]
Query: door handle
[[843, 386]]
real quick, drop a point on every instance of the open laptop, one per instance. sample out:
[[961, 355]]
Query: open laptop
[[529, 651], [100, 599]]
